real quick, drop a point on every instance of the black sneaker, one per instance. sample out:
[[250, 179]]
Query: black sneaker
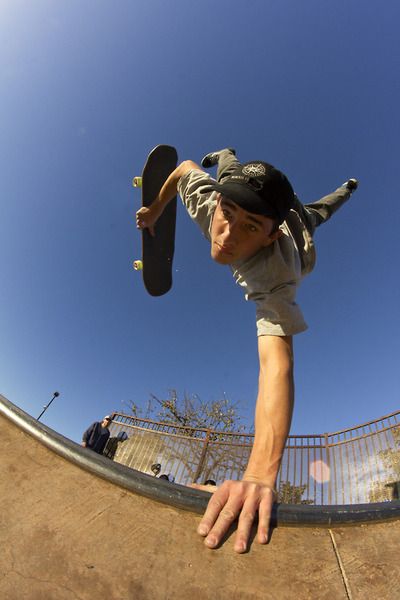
[[351, 184], [212, 158]]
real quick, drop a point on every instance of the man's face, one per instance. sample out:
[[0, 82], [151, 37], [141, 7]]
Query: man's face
[[106, 423], [237, 234]]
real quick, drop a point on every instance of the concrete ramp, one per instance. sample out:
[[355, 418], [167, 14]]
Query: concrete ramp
[[75, 525]]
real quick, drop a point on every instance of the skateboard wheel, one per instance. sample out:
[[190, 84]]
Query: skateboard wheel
[[137, 265], [137, 182]]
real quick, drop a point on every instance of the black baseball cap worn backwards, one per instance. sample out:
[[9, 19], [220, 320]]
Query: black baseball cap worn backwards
[[259, 188]]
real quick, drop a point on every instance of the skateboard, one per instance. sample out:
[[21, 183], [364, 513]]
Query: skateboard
[[157, 250]]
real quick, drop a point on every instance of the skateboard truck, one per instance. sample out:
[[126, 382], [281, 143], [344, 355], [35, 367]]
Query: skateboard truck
[[137, 183]]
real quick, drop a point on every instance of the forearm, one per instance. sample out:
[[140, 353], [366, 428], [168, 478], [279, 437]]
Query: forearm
[[86, 435], [169, 189], [273, 409], [147, 216]]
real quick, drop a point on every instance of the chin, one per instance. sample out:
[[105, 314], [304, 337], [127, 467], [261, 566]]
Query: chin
[[222, 259]]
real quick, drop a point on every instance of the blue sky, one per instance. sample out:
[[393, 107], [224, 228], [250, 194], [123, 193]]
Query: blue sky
[[88, 88]]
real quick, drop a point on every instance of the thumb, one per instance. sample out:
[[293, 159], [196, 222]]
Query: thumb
[[204, 488]]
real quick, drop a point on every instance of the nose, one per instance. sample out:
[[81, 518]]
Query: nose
[[232, 232]]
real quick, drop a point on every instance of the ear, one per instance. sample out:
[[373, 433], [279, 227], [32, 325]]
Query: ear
[[272, 237], [276, 235]]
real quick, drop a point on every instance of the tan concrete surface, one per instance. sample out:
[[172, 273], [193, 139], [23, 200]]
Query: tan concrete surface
[[370, 554], [69, 535]]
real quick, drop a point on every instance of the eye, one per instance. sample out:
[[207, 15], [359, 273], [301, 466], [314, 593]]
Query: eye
[[252, 228]]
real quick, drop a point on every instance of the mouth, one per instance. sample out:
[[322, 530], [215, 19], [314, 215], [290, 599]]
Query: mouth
[[224, 249]]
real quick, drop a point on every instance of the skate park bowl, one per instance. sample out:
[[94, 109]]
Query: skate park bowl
[[75, 524]]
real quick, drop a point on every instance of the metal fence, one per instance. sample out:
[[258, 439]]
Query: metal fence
[[356, 465]]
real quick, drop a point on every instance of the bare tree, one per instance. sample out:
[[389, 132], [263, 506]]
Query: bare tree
[[205, 453], [219, 415]]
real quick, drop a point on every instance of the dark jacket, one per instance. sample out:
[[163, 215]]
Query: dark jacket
[[96, 437]]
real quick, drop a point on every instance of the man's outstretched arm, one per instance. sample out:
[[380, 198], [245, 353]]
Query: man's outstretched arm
[[256, 492], [87, 434], [148, 216]]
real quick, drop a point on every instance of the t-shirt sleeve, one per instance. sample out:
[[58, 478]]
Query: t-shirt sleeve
[[200, 204], [277, 313]]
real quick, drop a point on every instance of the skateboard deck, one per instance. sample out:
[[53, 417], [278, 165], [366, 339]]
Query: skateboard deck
[[157, 250]]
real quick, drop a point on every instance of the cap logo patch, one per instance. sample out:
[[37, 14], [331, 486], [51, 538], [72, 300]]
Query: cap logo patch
[[254, 170]]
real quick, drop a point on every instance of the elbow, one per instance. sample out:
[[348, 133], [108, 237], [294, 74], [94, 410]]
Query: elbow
[[278, 365], [186, 166], [282, 370]]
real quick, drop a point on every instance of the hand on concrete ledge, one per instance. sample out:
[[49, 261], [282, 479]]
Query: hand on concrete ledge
[[233, 500]]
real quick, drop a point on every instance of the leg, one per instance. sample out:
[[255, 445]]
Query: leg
[[321, 211], [227, 163], [225, 159]]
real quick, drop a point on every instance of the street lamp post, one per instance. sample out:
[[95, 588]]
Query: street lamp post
[[55, 395]]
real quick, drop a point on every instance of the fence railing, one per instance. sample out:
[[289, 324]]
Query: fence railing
[[356, 465]]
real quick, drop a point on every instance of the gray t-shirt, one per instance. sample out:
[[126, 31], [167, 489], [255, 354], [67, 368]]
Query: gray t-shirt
[[269, 278]]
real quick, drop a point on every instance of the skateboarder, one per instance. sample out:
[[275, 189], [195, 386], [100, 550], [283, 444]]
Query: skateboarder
[[257, 226], [96, 435]]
